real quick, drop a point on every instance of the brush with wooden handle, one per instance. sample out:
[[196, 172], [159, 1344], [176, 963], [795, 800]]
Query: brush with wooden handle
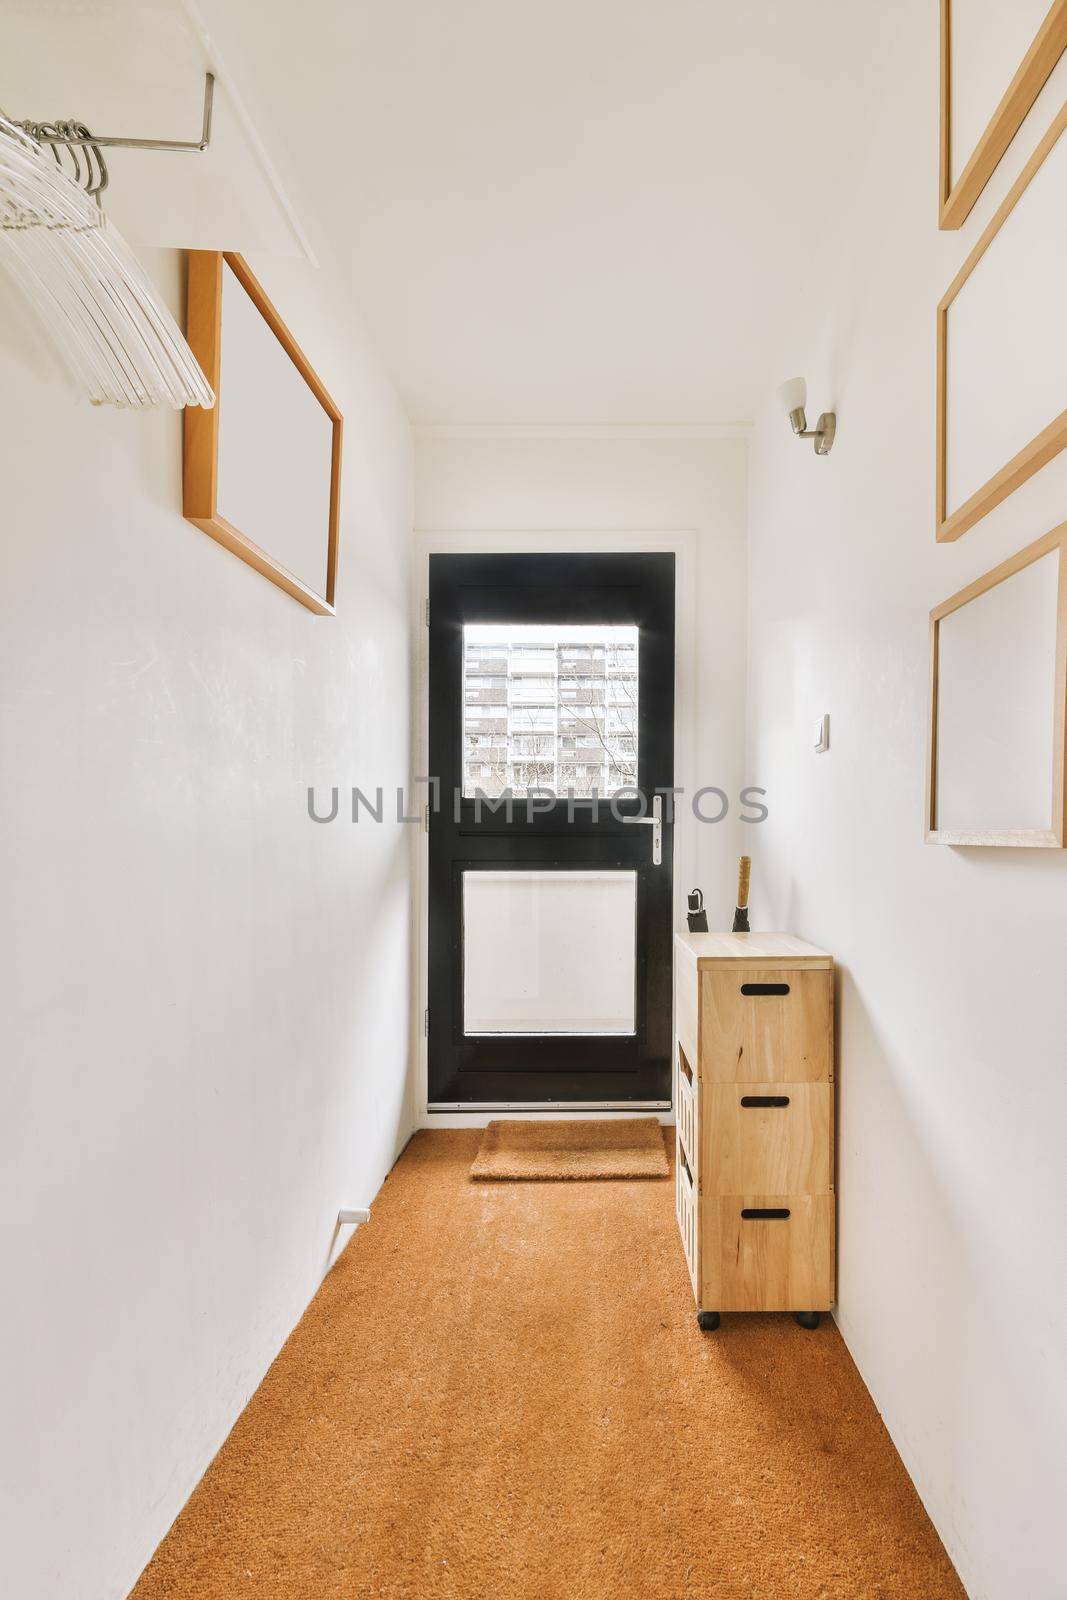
[[744, 873]]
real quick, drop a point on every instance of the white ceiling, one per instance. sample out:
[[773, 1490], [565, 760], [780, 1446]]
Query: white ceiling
[[572, 210], [550, 210]]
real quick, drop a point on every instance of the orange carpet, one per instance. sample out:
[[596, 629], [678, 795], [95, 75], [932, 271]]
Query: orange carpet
[[624, 1147], [500, 1393]]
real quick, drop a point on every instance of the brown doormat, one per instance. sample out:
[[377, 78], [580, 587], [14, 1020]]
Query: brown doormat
[[630, 1148]]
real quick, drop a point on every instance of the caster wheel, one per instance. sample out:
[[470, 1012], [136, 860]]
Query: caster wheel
[[808, 1319], [707, 1321]]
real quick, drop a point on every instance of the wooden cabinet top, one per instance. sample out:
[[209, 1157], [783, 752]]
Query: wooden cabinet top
[[750, 949]]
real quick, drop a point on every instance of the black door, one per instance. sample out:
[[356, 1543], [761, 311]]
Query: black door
[[550, 906]]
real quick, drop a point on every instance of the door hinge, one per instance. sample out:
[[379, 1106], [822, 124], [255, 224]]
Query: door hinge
[[426, 1022], [426, 817], [426, 611]]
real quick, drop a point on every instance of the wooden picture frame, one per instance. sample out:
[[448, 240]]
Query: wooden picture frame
[[1049, 43], [1055, 836], [1045, 444], [202, 428]]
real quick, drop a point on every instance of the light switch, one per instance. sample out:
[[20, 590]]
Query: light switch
[[822, 734]]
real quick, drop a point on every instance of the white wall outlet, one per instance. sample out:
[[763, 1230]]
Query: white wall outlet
[[822, 734]]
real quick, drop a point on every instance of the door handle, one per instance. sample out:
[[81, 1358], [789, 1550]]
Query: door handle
[[655, 822]]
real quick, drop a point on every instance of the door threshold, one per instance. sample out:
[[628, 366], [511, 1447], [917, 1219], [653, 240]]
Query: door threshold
[[549, 1105]]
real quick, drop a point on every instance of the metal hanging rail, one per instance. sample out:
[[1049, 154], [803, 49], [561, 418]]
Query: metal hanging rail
[[90, 171], [55, 132]]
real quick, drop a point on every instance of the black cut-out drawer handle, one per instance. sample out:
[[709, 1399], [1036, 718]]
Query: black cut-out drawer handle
[[752, 1100], [765, 1213], [764, 988]]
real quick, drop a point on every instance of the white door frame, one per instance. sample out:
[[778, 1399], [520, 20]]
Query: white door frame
[[430, 542]]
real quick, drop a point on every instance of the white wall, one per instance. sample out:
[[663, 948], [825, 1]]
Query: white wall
[[952, 995], [206, 996], [593, 482]]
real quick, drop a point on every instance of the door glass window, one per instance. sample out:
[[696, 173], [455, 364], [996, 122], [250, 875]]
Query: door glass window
[[549, 952], [549, 707]]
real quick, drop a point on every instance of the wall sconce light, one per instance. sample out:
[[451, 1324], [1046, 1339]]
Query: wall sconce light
[[793, 396]]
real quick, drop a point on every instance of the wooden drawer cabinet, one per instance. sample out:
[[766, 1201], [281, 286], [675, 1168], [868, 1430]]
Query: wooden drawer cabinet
[[754, 1102], [766, 1023], [767, 1138], [769, 1252]]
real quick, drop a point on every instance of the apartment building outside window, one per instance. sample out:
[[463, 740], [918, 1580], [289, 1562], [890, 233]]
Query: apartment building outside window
[[549, 708]]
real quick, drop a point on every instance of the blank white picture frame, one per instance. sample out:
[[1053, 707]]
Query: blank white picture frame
[[1002, 347], [268, 417], [262, 468], [998, 704], [996, 55]]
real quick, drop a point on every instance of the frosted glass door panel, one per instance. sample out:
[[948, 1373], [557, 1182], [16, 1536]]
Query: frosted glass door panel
[[549, 952], [1007, 337], [995, 701]]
